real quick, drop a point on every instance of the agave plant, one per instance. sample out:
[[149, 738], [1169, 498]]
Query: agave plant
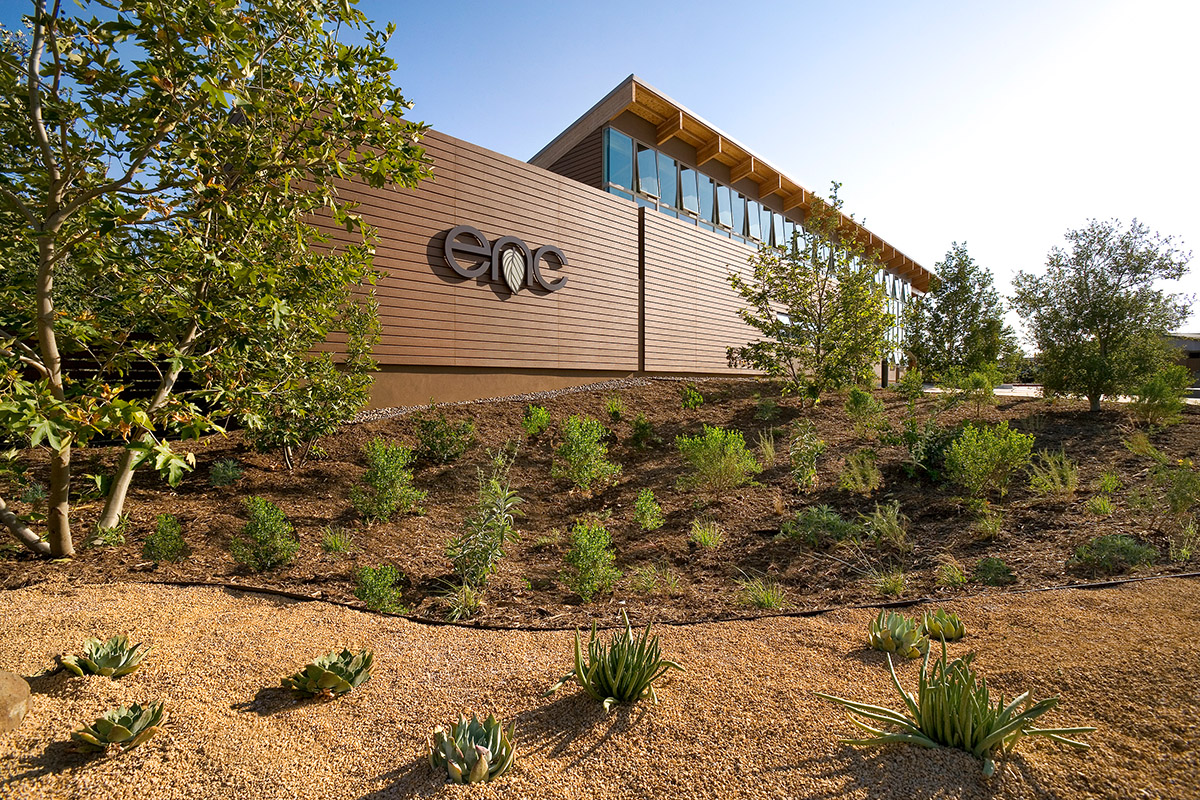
[[332, 674], [112, 658], [121, 728], [954, 709], [943, 625], [896, 633], [473, 751], [624, 671]]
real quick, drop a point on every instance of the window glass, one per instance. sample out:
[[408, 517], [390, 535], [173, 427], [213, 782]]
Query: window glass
[[707, 197], [620, 193], [781, 237], [724, 205], [768, 227], [619, 158], [754, 217], [647, 168], [789, 228], [738, 219], [668, 181], [687, 190], [642, 201]]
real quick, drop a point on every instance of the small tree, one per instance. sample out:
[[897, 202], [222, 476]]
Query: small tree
[[1095, 315], [817, 306]]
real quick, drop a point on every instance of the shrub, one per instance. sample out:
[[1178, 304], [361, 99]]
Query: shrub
[[943, 625], [860, 475], [489, 527], [1101, 505], [1109, 482], [766, 447], [926, 445], [888, 528], [439, 442], [651, 578], [803, 451], [615, 407], [988, 525], [865, 411], [647, 511], [224, 472], [1113, 554], [895, 633], [977, 389], [473, 751], [109, 537], [464, 601], [765, 409], [953, 708], [890, 583], [950, 575], [762, 592], [267, 541], [336, 540], [817, 526], [624, 671], [983, 457], [112, 658], [911, 386], [643, 435], [1159, 401], [718, 458], [581, 458], [591, 560], [690, 397], [333, 674], [707, 534], [1054, 474], [992, 571], [120, 729], [386, 489], [1184, 544], [376, 588], [166, 543], [536, 420], [1180, 486]]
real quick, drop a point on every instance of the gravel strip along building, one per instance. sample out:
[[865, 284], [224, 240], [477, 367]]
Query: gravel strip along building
[[605, 256]]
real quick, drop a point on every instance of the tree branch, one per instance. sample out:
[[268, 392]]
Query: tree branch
[[21, 531], [36, 47]]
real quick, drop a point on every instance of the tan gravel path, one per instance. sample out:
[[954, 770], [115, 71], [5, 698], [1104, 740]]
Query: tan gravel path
[[741, 722]]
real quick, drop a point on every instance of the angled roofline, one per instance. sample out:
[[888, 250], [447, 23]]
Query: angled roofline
[[675, 121]]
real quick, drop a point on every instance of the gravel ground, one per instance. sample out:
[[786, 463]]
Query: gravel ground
[[741, 722]]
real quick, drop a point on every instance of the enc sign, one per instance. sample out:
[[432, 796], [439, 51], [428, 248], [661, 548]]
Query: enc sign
[[508, 256]]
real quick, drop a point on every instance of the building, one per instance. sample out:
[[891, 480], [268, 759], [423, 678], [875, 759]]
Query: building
[[605, 255], [1187, 347]]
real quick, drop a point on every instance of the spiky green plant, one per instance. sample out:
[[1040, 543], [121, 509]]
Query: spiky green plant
[[332, 674], [623, 671], [112, 658], [943, 625], [473, 751], [953, 708], [121, 728], [896, 633]]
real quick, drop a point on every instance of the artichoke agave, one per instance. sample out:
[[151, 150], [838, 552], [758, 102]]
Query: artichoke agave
[[943, 625], [896, 633], [121, 728], [332, 674], [623, 671], [112, 658], [473, 751]]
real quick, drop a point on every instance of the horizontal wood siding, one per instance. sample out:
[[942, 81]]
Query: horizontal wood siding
[[432, 317], [585, 161], [691, 312]]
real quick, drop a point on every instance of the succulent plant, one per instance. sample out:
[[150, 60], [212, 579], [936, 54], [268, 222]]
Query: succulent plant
[[943, 625], [120, 729], [624, 671], [332, 674], [112, 658], [896, 633], [473, 751]]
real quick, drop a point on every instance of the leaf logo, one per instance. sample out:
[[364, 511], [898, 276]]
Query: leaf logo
[[513, 261]]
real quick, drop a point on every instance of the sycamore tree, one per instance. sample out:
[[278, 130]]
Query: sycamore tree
[[959, 323], [161, 165], [817, 306], [1095, 316]]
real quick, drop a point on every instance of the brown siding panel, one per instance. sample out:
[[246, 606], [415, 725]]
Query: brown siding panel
[[585, 161]]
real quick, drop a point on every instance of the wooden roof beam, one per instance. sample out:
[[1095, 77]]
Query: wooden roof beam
[[743, 170], [797, 200], [708, 152], [670, 127], [772, 185]]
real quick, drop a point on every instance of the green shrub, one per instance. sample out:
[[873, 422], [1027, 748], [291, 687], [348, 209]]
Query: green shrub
[[1185, 543], [1109, 482], [984, 457], [890, 632], [865, 411], [332, 675], [718, 458], [888, 528], [581, 458], [1180, 486], [911, 386], [472, 751], [707, 533], [978, 389], [1160, 400], [224, 472], [766, 447], [926, 445], [439, 442], [336, 540], [463, 601], [988, 525], [591, 560], [1101, 505], [1113, 554], [166, 543], [267, 541], [803, 451], [376, 588], [950, 575], [643, 435], [860, 475], [109, 537], [765, 409], [690, 397], [762, 592], [991, 571], [818, 526], [652, 578], [647, 511], [1054, 475], [386, 489], [890, 583], [615, 407], [489, 527], [536, 420]]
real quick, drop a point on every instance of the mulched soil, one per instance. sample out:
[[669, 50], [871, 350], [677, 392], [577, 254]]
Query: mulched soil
[[1037, 541]]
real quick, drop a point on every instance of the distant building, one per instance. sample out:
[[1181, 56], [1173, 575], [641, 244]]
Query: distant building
[[1188, 345]]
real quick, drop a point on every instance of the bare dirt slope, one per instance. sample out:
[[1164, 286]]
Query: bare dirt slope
[[741, 722]]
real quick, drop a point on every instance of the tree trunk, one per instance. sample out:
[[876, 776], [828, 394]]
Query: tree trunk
[[1094, 400], [58, 514], [20, 530], [58, 519]]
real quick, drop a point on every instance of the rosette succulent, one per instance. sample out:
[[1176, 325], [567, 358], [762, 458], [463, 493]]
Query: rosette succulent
[[112, 658], [121, 728], [896, 633], [473, 751], [943, 625], [332, 674]]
